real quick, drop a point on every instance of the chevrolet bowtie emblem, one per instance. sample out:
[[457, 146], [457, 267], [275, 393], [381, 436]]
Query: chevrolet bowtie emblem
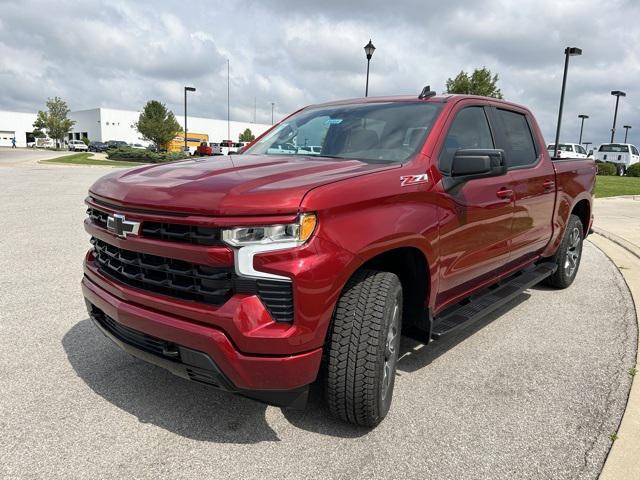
[[121, 226]]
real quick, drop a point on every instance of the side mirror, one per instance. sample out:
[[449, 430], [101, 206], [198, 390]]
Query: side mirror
[[475, 163]]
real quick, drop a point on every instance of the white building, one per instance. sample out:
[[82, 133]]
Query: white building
[[15, 124], [104, 124]]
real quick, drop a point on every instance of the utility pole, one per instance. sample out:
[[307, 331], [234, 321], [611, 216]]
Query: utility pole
[[272, 105]]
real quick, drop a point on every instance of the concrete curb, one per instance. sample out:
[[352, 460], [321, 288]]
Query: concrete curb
[[623, 460], [632, 248]]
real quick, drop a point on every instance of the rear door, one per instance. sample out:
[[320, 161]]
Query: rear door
[[475, 218], [532, 178]]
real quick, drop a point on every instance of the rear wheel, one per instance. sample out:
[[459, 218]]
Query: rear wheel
[[363, 348], [568, 256]]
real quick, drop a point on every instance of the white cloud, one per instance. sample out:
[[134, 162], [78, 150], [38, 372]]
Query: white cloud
[[120, 54]]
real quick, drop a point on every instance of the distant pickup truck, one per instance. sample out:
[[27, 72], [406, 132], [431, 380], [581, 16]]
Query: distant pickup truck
[[568, 150], [208, 149], [261, 272], [622, 155]]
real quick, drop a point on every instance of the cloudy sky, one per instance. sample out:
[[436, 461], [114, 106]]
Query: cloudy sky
[[294, 52]]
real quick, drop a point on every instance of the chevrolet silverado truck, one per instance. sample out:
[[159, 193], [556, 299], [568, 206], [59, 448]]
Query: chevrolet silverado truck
[[262, 273]]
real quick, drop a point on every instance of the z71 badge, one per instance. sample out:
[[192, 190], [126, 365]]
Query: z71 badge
[[408, 180]]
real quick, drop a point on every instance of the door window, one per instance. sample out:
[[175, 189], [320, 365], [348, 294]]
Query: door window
[[634, 150], [581, 150], [470, 129], [520, 149]]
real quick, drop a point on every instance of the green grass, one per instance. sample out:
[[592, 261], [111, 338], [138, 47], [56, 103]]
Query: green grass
[[614, 186], [87, 159]]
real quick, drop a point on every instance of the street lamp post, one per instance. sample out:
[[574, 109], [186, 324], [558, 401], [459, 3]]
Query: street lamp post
[[568, 52], [626, 132], [186, 89], [586, 144], [272, 105], [368, 50], [583, 117], [617, 94]]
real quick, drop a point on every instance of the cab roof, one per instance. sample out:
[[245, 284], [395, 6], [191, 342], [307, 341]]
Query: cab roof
[[442, 98]]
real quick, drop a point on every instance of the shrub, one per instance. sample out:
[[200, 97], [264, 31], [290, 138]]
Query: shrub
[[606, 169], [634, 170], [139, 155]]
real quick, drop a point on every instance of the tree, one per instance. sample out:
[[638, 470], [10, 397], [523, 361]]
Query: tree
[[157, 124], [247, 136], [54, 121], [480, 82]]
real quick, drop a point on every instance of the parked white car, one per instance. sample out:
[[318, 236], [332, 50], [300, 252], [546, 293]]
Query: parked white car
[[567, 150], [622, 155], [78, 145]]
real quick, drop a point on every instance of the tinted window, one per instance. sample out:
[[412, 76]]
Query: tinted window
[[520, 148], [470, 129], [634, 150], [581, 150]]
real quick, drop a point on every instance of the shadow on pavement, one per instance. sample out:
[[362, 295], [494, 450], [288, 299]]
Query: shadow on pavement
[[186, 408], [414, 355], [200, 412]]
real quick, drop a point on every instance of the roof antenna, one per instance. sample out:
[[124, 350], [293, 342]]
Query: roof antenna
[[426, 92]]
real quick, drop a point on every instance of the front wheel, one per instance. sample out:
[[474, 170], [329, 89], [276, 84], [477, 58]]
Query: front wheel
[[363, 348], [568, 256]]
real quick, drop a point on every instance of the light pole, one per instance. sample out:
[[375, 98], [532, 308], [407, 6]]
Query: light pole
[[272, 105], [568, 52], [186, 89], [626, 132], [228, 102], [368, 50], [617, 94], [586, 144], [583, 117]]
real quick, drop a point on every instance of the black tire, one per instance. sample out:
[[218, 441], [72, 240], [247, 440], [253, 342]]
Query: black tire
[[363, 345], [568, 256]]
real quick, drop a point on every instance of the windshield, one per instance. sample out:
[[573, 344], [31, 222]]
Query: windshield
[[374, 132], [614, 147]]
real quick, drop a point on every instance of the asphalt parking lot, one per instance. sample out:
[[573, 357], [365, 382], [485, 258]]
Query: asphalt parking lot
[[531, 392]]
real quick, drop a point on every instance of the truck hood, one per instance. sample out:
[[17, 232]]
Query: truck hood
[[227, 185]]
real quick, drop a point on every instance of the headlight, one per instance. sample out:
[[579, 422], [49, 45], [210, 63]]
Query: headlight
[[293, 233]]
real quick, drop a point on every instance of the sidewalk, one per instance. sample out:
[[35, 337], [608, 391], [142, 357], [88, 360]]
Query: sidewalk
[[619, 216], [617, 228]]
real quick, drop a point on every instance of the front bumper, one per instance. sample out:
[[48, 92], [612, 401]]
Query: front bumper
[[201, 352]]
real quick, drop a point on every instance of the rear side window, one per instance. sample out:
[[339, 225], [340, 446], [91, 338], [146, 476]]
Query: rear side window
[[520, 149], [581, 150], [470, 129], [634, 150]]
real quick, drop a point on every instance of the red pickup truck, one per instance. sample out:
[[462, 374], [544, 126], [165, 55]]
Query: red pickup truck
[[263, 272]]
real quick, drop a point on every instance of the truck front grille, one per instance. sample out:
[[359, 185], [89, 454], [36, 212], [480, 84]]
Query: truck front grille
[[169, 232], [98, 217], [165, 276], [189, 281], [176, 232]]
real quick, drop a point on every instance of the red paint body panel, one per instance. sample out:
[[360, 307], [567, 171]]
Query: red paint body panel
[[469, 239]]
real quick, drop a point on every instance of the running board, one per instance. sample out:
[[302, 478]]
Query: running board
[[479, 305]]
